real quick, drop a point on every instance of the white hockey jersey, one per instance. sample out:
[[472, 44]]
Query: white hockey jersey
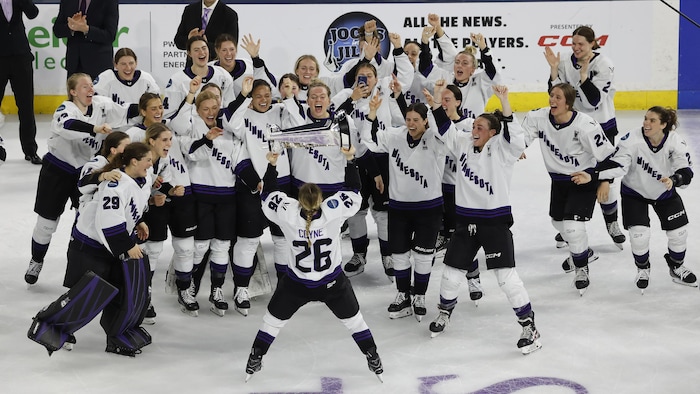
[[600, 73], [316, 256], [482, 190], [69, 145], [449, 177], [111, 217], [108, 84], [643, 166], [415, 171], [179, 85], [570, 147], [87, 190]]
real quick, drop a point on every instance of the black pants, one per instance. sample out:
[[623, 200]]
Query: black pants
[[18, 71]]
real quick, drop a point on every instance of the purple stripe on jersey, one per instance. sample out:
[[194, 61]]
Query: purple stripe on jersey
[[115, 230], [612, 123], [264, 337], [362, 335], [62, 165], [213, 190], [78, 236], [312, 284], [325, 187], [628, 191], [484, 213], [560, 177], [284, 180], [415, 205], [188, 190]]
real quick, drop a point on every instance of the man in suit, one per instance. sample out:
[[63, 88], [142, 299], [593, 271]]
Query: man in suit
[[16, 67], [91, 26], [210, 18]]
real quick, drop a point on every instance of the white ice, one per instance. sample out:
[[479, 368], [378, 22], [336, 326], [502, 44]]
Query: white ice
[[611, 340]]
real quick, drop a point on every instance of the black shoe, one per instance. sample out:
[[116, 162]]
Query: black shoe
[[34, 159]]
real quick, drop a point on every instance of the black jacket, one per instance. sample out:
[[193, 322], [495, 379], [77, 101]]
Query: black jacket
[[13, 35]]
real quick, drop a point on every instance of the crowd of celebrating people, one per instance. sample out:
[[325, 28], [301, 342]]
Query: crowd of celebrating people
[[431, 166]]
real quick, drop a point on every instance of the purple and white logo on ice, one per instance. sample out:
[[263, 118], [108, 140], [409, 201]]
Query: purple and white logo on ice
[[342, 38]]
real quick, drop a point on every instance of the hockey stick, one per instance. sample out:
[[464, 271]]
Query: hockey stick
[[689, 19]]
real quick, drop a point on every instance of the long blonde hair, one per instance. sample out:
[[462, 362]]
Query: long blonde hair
[[310, 199]]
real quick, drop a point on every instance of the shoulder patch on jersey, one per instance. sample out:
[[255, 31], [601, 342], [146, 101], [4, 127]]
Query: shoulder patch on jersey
[[113, 184], [170, 82], [61, 107], [624, 137], [333, 204], [96, 80]]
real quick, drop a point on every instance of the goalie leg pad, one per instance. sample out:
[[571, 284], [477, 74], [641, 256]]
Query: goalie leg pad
[[54, 324]]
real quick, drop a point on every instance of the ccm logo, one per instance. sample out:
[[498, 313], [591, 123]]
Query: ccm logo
[[565, 41], [676, 215]]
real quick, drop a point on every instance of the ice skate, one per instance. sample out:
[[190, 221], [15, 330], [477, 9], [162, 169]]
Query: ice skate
[[150, 317], [419, 306], [254, 363], [568, 264], [438, 325], [241, 300], [33, 271], [529, 339], [388, 264], [122, 351], [582, 280], [170, 280], [188, 303], [375, 363], [401, 307], [70, 341], [679, 273], [560, 241], [475, 289], [218, 305], [642, 278], [616, 234], [356, 264]]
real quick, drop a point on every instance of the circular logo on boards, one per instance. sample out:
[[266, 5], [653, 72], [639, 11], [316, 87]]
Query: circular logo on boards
[[342, 39]]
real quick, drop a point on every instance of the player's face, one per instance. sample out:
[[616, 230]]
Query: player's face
[[306, 71], [216, 92], [653, 128], [208, 111], [581, 47], [412, 51], [318, 102], [295, 86], [161, 145], [199, 52], [449, 102], [416, 124], [557, 102], [83, 92], [371, 77], [227, 55], [140, 167], [481, 132], [153, 112], [126, 65], [464, 67], [262, 98]]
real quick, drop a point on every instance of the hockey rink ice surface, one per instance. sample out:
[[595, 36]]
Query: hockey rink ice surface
[[611, 340]]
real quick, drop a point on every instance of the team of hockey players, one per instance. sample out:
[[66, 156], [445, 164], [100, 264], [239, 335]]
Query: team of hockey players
[[426, 160]]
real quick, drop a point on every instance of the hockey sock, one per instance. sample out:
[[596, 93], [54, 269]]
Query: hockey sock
[[421, 276], [218, 274], [183, 254], [446, 304], [243, 255], [575, 234], [41, 237], [381, 218], [359, 245], [281, 255], [183, 283], [153, 249], [384, 247], [357, 224], [364, 340], [449, 285], [510, 283], [609, 211], [677, 242], [402, 271], [523, 311]]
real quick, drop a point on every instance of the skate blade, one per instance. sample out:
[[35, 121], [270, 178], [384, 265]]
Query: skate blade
[[243, 311], [350, 274], [400, 314], [217, 311], [149, 320], [680, 282], [248, 376], [379, 376], [434, 334], [561, 245], [391, 278], [191, 313], [531, 348], [621, 246], [67, 346], [418, 317], [581, 292], [476, 303]]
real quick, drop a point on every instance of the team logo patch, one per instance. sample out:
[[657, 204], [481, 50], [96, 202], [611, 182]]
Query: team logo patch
[[342, 38], [333, 204], [112, 184], [96, 80], [170, 83], [61, 107], [626, 136]]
